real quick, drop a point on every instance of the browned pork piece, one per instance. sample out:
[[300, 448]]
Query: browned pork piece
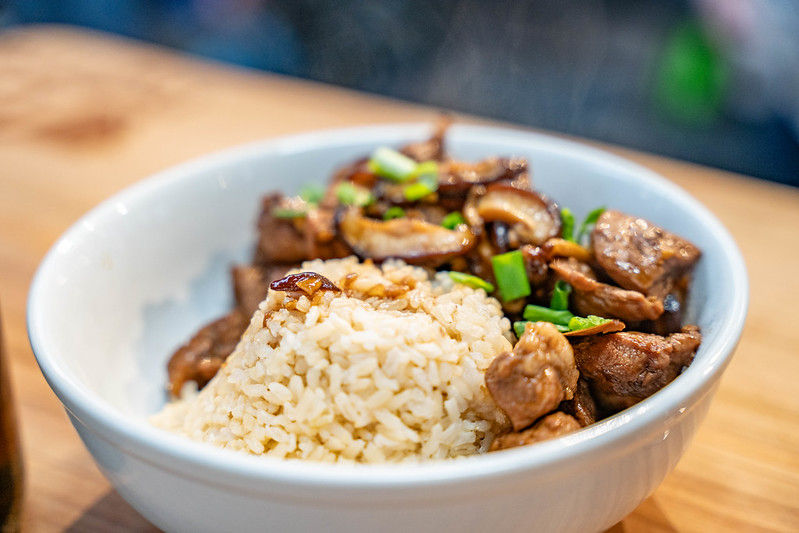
[[639, 255], [410, 239], [624, 368], [251, 282], [199, 359], [293, 240], [549, 427], [592, 297], [582, 406], [533, 379]]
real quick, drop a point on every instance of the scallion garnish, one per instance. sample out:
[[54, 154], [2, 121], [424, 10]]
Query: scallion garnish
[[288, 212], [471, 281], [577, 323], [567, 223], [518, 327], [511, 275], [312, 193], [424, 185], [536, 313], [393, 212], [560, 296], [350, 194], [391, 164], [590, 220], [425, 168], [453, 220]]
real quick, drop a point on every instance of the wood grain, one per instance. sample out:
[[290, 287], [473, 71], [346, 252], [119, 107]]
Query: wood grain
[[83, 115]]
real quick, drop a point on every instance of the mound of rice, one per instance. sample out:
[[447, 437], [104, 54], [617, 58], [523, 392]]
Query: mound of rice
[[391, 369]]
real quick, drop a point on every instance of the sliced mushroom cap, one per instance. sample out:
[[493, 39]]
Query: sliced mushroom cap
[[308, 283], [457, 176], [558, 247], [531, 216], [412, 240]]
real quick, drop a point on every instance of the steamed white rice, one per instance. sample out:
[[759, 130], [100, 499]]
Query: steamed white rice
[[357, 376]]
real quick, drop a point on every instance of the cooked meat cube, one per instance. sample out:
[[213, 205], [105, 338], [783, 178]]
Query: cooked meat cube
[[671, 319], [639, 255], [535, 263], [533, 379], [199, 359], [592, 297], [290, 241], [279, 240], [582, 406], [249, 287], [624, 368], [549, 427]]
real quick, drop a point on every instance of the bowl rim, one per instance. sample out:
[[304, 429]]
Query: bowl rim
[[166, 450]]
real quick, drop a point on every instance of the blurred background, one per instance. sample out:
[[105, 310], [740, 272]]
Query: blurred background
[[710, 81]]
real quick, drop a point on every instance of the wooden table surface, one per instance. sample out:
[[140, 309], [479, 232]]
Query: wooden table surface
[[83, 115]]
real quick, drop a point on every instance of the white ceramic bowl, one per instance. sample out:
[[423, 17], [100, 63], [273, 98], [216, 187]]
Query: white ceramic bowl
[[137, 275]]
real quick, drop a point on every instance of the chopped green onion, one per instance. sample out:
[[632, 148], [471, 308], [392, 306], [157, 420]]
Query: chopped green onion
[[511, 275], [578, 322], [288, 212], [392, 165], [425, 168], [349, 194], [426, 184], [393, 212], [590, 220], [560, 296], [536, 313], [312, 193], [567, 221], [471, 281], [453, 220], [518, 327]]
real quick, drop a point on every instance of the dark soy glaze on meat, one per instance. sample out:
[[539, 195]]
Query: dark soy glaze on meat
[[549, 427], [639, 255], [291, 241], [633, 272], [624, 368], [592, 297], [533, 379], [199, 359], [582, 407]]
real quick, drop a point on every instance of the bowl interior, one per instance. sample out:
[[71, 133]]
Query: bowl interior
[[139, 274]]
